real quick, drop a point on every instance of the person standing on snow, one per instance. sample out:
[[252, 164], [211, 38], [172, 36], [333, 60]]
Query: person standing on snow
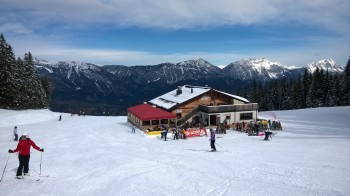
[[15, 133], [175, 132], [183, 133], [133, 129], [212, 139], [23, 148], [165, 133]]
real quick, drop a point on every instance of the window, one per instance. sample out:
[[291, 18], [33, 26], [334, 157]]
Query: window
[[164, 121], [145, 123], [178, 115], [172, 121], [246, 116], [155, 122]]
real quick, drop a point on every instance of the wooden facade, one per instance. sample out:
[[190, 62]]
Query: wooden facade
[[211, 98], [206, 106]]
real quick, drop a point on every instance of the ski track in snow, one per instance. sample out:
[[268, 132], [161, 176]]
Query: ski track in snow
[[100, 156]]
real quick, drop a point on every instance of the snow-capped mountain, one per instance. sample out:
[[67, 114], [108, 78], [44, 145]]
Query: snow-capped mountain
[[325, 64], [79, 85], [118, 86], [260, 69], [196, 63], [166, 73], [222, 66], [78, 74]]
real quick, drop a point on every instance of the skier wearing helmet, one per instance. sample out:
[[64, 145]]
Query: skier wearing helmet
[[23, 149]]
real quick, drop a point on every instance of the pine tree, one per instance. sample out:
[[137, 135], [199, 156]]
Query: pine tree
[[46, 83], [263, 105], [269, 96], [315, 97], [335, 98], [296, 94], [283, 95], [274, 95], [35, 90], [7, 74], [321, 94], [326, 89], [345, 85], [20, 85], [305, 85], [331, 98], [255, 95]]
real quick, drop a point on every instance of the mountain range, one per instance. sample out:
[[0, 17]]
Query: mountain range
[[111, 89]]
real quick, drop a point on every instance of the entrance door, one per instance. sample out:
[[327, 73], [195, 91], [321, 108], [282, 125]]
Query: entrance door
[[214, 119]]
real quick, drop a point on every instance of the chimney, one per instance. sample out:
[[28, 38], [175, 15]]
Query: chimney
[[178, 91]]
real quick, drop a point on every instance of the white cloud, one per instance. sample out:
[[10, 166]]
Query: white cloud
[[53, 49], [178, 14], [14, 28], [19, 17], [290, 57]]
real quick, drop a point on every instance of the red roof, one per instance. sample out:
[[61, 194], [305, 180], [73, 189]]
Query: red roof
[[147, 112]]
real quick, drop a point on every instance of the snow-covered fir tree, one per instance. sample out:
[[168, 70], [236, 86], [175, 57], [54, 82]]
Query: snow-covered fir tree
[[20, 85]]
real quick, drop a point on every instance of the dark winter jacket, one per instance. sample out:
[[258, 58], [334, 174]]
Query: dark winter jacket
[[23, 147], [212, 134]]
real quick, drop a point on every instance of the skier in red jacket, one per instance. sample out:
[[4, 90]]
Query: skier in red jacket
[[23, 149]]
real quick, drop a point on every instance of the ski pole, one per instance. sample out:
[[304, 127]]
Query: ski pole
[[41, 158], [218, 144], [8, 157]]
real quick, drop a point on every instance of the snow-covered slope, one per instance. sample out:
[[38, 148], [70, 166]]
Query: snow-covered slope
[[100, 156]]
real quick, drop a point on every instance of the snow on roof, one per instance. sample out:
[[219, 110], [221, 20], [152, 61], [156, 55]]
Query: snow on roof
[[171, 98], [234, 96]]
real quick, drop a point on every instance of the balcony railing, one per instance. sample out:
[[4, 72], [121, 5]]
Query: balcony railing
[[218, 109], [228, 108]]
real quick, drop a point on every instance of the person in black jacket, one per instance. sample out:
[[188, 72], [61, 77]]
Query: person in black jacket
[[268, 134], [165, 133], [175, 132]]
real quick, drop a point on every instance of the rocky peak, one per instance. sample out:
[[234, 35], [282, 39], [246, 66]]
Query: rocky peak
[[325, 64]]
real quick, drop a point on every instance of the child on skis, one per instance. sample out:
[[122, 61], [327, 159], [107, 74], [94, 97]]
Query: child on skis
[[15, 134]]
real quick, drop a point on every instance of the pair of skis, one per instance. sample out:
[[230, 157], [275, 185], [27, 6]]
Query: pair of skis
[[33, 178]]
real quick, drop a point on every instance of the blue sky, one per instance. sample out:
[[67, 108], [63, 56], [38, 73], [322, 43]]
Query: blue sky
[[147, 32]]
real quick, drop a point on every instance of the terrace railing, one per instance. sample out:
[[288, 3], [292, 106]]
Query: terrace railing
[[217, 109]]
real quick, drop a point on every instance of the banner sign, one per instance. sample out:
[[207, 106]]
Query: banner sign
[[196, 133]]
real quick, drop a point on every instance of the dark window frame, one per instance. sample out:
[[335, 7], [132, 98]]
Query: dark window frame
[[246, 116]]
